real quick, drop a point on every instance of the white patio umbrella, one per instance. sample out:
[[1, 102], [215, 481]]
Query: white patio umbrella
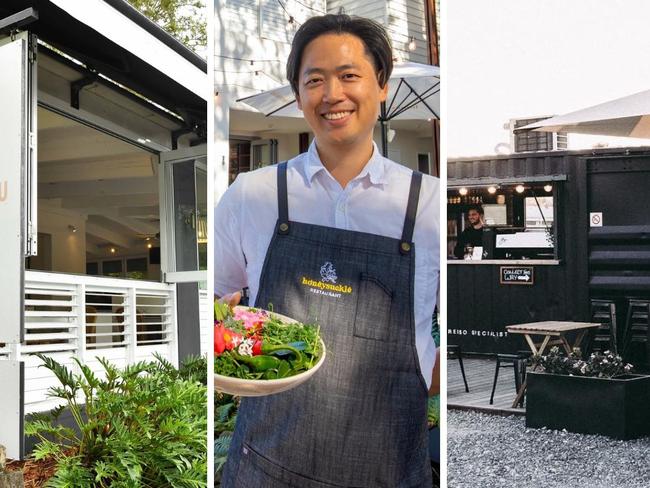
[[413, 94], [624, 117]]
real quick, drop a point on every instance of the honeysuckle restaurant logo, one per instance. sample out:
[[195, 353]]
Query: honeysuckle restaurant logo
[[327, 284], [328, 273]]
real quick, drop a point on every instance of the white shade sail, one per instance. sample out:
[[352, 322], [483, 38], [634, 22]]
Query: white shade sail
[[624, 117], [413, 94]]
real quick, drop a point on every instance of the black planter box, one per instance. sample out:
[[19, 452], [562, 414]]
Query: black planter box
[[617, 407]]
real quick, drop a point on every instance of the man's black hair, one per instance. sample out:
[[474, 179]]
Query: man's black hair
[[478, 208], [372, 34]]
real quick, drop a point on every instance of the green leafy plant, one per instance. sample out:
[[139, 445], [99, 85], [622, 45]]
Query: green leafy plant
[[225, 417], [136, 275], [599, 364], [141, 426], [433, 411]]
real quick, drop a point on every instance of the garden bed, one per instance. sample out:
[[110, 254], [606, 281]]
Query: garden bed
[[35, 473], [145, 423]]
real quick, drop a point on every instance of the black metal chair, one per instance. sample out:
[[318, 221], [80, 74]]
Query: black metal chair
[[636, 335], [606, 337], [518, 362], [455, 352]]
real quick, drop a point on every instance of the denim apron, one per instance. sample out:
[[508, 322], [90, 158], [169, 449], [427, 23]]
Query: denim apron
[[361, 420]]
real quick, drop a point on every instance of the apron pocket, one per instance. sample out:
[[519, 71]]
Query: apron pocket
[[256, 471], [374, 302]]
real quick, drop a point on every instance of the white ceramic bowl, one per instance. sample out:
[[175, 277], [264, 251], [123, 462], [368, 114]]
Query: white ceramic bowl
[[252, 388]]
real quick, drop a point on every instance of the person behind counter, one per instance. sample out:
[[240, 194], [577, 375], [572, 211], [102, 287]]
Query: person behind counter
[[473, 235]]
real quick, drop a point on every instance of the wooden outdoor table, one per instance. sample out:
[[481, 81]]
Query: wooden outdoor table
[[554, 334]]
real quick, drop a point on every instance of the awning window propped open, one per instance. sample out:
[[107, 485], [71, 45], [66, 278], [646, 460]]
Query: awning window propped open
[[116, 40]]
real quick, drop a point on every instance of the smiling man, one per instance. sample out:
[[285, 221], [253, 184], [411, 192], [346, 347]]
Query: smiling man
[[344, 215]]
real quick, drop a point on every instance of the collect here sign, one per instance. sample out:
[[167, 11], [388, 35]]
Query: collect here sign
[[516, 275]]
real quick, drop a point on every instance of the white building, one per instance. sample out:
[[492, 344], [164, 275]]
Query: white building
[[104, 201], [252, 42]]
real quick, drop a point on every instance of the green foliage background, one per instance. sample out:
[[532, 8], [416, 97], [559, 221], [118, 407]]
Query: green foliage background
[[141, 426], [186, 20]]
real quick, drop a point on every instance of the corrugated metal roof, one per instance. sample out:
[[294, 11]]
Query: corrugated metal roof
[[530, 167]]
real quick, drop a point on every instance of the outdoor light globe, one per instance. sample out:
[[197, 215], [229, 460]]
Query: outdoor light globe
[[519, 188], [492, 190], [463, 191], [548, 188]]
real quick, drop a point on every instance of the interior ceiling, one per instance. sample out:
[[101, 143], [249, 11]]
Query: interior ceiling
[[113, 183]]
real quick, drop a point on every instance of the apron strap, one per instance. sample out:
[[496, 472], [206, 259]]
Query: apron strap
[[283, 199], [411, 212]]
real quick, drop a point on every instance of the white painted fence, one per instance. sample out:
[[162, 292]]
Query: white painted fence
[[205, 313], [90, 317]]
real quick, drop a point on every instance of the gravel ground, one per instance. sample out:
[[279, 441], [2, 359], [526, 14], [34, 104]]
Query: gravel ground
[[489, 451]]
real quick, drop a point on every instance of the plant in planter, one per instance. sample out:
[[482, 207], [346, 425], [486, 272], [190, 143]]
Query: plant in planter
[[598, 395], [144, 425], [598, 365]]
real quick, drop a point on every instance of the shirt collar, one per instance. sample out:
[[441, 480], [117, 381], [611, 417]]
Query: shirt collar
[[374, 169]]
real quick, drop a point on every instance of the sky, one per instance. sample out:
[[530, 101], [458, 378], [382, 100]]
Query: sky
[[523, 58]]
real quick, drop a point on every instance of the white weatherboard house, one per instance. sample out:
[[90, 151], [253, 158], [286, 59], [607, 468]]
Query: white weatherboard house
[[252, 42], [103, 197]]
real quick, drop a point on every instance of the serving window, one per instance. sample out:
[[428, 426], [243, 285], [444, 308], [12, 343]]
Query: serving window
[[519, 221]]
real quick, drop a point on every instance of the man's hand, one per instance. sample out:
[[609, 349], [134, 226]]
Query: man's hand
[[435, 378], [231, 299]]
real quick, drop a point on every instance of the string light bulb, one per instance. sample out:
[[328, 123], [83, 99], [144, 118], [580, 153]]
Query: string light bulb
[[548, 188], [519, 188], [412, 44], [463, 191], [492, 190]]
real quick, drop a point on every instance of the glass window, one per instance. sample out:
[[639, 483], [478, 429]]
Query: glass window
[[539, 212], [136, 268], [190, 219], [112, 268]]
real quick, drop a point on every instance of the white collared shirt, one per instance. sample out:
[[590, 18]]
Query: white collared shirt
[[374, 201]]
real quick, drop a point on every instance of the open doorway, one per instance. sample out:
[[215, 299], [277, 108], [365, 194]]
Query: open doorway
[[98, 205]]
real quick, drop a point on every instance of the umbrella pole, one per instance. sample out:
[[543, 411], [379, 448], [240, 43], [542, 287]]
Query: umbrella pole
[[384, 130]]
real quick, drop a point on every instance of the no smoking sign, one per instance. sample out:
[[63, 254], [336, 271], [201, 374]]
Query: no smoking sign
[[595, 219]]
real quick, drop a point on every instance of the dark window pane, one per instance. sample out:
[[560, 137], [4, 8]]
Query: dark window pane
[[92, 269], [112, 268]]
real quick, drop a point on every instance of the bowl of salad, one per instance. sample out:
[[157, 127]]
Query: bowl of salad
[[259, 352]]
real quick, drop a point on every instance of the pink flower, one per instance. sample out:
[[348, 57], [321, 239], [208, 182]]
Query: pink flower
[[252, 320]]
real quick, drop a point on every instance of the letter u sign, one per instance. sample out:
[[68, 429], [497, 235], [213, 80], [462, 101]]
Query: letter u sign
[[3, 191]]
